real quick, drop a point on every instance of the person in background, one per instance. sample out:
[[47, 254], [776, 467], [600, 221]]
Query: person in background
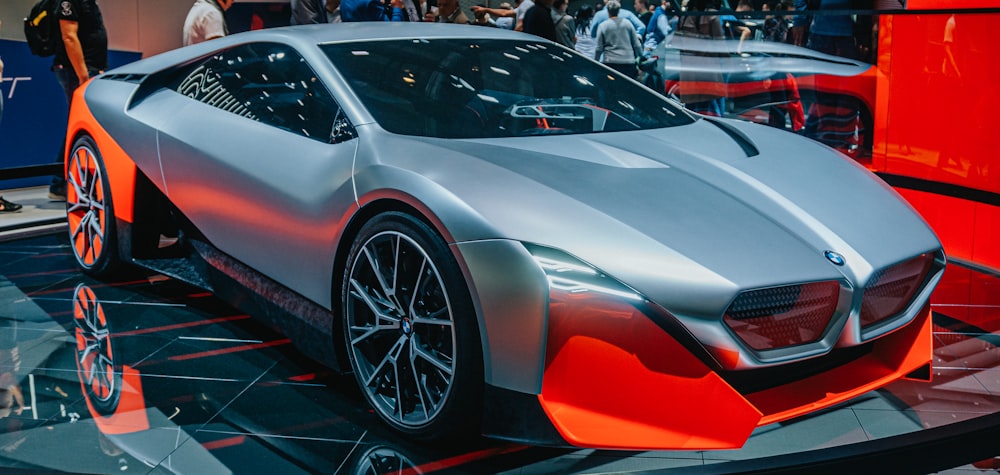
[[206, 21], [618, 42], [776, 25], [374, 10], [661, 25], [333, 11], [703, 26], [833, 119], [744, 29], [565, 26], [5, 206], [831, 34], [82, 53], [538, 20], [643, 11], [601, 14], [11, 399], [518, 13], [308, 12], [506, 22], [448, 11], [585, 43], [707, 26]]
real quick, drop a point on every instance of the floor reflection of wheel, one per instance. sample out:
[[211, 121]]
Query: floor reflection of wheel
[[92, 232], [382, 460], [410, 329], [100, 378]]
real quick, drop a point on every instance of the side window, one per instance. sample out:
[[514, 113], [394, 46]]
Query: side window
[[266, 82]]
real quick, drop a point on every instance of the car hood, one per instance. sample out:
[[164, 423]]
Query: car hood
[[683, 214]]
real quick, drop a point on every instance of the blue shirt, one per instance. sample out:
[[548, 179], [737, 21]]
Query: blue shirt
[[367, 10]]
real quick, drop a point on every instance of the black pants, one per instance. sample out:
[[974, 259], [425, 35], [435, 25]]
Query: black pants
[[628, 69]]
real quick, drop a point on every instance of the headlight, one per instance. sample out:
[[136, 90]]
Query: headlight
[[568, 274]]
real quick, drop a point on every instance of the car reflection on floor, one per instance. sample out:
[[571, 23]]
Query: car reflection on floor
[[154, 376]]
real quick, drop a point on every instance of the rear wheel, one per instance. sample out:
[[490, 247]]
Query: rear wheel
[[410, 329], [92, 231]]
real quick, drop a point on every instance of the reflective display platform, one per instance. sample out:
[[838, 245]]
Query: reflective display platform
[[154, 376]]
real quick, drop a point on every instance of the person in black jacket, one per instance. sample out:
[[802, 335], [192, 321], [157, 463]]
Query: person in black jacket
[[308, 12], [82, 53], [538, 21]]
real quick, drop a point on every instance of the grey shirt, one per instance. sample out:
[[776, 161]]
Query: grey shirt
[[617, 41]]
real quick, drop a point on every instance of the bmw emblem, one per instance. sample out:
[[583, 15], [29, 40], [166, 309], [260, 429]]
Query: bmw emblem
[[835, 258], [407, 326]]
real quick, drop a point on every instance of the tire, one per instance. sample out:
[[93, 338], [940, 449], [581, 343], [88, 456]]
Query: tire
[[93, 235], [411, 331]]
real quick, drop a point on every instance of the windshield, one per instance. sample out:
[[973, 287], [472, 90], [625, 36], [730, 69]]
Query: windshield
[[472, 88]]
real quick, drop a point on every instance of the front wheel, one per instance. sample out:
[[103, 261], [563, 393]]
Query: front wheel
[[92, 231], [411, 331]]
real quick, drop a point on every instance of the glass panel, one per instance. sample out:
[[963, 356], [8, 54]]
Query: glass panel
[[266, 82], [491, 88], [765, 62]]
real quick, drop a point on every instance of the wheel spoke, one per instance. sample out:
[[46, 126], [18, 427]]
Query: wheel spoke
[[400, 408], [79, 175], [419, 382], [432, 359], [378, 309], [93, 185], [100, 371], [95, 226], [433, 318], [377, 270], [416, 289], [395, 265], [389, 359]]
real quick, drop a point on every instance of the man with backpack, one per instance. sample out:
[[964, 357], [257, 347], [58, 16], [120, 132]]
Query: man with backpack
[[81, 51]]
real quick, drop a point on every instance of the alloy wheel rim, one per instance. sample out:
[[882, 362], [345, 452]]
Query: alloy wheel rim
[[86, 207], [400, 329], [93, 345]]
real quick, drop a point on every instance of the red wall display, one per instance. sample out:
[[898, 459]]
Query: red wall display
[[934, 137]]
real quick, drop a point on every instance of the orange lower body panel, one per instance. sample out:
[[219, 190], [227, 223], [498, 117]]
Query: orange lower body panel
[[120, 167], [615, 379], [894, 356]]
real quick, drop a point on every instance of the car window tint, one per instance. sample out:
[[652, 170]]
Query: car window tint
[[455, 88], [266, 82]]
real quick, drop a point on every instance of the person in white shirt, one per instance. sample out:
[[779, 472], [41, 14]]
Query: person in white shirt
[[205, 21]]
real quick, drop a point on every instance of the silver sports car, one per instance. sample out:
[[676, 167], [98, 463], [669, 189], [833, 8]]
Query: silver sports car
[[499, 236]]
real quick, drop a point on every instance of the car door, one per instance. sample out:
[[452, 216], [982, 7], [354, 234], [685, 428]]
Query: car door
[[260, 160]]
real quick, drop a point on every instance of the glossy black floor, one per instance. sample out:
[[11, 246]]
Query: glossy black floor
[[201, 388]]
